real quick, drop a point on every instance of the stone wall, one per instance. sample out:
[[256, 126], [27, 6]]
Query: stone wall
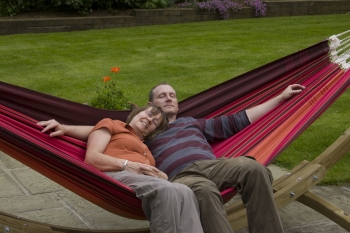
[[295, 8], [141, 17]]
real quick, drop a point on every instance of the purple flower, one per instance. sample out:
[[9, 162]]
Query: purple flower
[[223, 6]]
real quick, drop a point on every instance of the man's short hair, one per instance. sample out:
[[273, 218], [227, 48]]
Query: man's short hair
[[151, 94]]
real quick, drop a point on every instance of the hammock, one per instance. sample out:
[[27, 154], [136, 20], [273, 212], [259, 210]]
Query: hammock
[[323, 68]]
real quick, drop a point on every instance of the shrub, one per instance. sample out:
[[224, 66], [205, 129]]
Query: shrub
[[153, 4], [146, 4], [11, 8], [109, 96], [223, 6], [259, 6]]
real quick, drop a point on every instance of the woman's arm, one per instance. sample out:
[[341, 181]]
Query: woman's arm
[[96, 145], [75, 131]]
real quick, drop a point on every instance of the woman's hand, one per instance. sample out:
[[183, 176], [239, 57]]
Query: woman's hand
[[145, 169], [76, 131], [52, 124]]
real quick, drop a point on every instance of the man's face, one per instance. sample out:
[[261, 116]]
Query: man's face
[[164, 96]]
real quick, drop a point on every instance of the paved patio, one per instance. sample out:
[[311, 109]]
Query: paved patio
[[28, 194]]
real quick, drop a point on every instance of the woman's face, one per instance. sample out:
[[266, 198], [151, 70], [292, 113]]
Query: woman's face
[[145, 123]]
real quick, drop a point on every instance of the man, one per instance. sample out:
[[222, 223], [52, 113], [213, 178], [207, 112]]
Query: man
[[184, 154]]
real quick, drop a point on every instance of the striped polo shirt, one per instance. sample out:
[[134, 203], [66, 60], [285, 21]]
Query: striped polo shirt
[[187, 140]]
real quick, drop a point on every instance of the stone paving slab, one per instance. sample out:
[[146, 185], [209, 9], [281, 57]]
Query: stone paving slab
[[28, 194], [24, 203], [322, 226], [8, 187], [34, 182]]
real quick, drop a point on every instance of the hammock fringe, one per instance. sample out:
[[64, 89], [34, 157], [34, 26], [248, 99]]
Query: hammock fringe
[[339, 50]]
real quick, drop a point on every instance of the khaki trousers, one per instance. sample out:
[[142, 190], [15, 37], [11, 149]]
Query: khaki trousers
[[251, 179]]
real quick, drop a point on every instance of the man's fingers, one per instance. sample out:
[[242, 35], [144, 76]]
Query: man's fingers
[[297, 87]]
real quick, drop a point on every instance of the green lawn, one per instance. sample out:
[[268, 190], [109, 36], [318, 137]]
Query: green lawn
[[192, 57]]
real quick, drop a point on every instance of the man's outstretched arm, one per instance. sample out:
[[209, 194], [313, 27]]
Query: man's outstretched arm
[[258, 111]]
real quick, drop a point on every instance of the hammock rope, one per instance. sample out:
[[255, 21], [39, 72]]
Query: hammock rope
[[339, 49], [323, 68]]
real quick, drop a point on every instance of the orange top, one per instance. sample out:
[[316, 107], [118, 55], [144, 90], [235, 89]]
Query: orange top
[[124, 143]]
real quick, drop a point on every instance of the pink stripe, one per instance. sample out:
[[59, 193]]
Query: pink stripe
[[68, 153]]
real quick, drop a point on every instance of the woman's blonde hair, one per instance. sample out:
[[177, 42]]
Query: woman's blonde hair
[[163, 123]]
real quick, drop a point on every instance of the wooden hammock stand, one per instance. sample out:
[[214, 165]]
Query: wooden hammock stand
[[293, 186]]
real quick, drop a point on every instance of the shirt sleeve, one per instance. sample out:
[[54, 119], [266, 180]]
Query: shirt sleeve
[[223, 127], [105, 123], [114, 126]]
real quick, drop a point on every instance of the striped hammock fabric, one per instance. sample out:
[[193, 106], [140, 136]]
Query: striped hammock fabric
[[323, 68]]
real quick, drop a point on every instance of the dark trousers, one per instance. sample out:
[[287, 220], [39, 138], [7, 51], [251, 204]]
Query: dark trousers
[[252, 180]]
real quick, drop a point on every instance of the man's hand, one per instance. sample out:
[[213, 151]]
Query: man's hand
[[258, 111], [52, 124], [145, 169], [292, 90]]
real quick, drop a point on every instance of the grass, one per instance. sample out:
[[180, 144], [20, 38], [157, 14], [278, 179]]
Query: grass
[[192, 57]]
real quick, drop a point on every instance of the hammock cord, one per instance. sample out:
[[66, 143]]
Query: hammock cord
[[339, 50], [343, 33]]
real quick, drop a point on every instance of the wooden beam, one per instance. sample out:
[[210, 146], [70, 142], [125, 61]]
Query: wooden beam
[[12, 224]]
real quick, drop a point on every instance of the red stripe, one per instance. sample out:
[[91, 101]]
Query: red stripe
[[62, 159]]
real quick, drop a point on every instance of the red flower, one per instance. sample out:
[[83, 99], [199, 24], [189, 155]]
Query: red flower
[[106, 79], [115, 69]]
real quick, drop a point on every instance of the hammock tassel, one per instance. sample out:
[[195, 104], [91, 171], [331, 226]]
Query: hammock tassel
[[339, 50]]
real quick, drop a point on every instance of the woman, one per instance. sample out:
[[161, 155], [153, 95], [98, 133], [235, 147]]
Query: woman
[[117, 149], [123, 142]]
